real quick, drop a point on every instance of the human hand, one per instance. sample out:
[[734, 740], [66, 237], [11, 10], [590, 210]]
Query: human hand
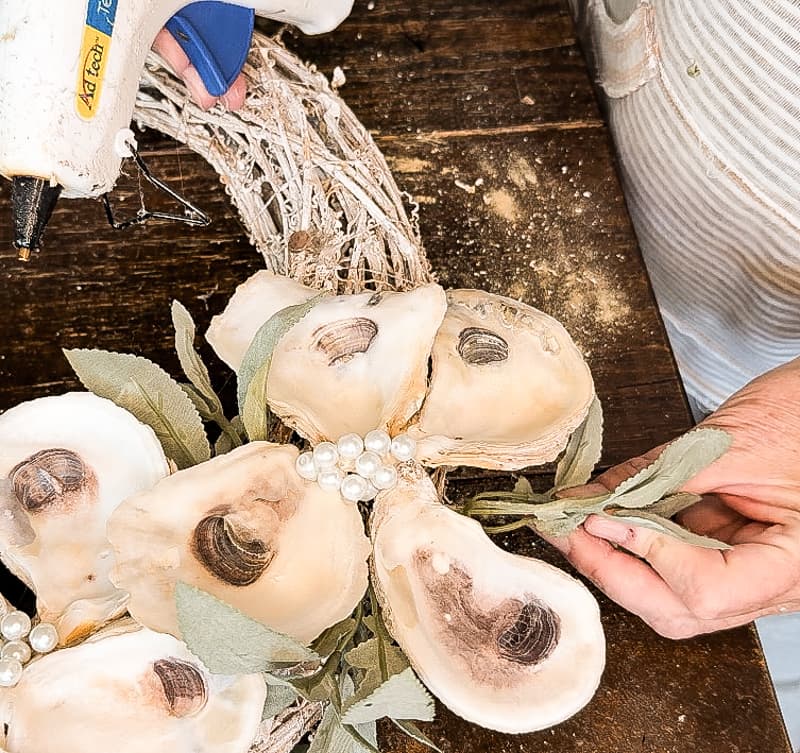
[[172, 53], [751, 500]]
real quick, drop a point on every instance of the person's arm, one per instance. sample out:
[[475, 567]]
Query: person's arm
[[751, 500]]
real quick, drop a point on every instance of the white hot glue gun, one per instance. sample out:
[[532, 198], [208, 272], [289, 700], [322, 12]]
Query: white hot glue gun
[[69, 72]]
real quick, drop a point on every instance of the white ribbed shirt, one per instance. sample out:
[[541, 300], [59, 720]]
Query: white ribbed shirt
[[703, 101]]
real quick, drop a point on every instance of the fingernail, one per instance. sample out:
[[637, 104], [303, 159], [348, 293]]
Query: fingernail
[[610, 530]]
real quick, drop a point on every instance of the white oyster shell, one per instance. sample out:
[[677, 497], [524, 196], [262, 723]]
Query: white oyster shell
[[355, 363], [505, 641], [66, 462], [247, 529], [255, 301], [508, 386], [130, 691]]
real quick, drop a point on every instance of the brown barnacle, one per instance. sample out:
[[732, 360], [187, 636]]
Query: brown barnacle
[[533, 635], [341, 340], [43, 478], [478, 346], [183, 684], [230, 551]]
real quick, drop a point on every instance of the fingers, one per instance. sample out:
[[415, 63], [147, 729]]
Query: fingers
[[172, 53], [639, 589], [629, 582], [712, 584]]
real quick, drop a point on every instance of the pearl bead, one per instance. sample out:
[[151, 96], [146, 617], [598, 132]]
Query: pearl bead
[[305, 466], [350, 446], [369, 492], [15, 625], [378, 441], [43, 637], [353, 486], [367, 463], [18, 650], [385, 477], [403, 447], [10, 672], [325, 455], [330, 479]]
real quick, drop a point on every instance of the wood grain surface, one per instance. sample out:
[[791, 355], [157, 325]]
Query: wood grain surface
[[486, 114]]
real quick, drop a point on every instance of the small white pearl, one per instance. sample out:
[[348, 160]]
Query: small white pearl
[[350, 446], [43, 637], [403, 447], [367, 463], [18, 650], [385, 477], [10, 672], [330, 479], [378, 441], [325, 455], [305, 466], [353, 486], [369, 492], [15, 625]]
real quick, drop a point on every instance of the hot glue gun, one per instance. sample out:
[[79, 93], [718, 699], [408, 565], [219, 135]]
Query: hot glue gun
[[69, 72]]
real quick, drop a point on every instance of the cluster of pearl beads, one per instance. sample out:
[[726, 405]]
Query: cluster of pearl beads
[[16, 651], [358, 468]]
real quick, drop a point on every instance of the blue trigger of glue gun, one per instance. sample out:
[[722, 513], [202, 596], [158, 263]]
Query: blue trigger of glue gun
[[216, 38]]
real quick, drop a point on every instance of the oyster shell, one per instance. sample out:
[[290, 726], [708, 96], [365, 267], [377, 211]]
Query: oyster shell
[[340, 369], [247, 529], [66, 462], [130, 690], [508, 386], [255, 301], [505, 641]]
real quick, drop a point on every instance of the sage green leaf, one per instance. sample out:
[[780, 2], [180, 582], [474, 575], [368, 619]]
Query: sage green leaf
[[229, 642], [510, 503], [254, 370], [367, 655], [560, 527], [331, 638], [402, 696], [583, 450], [672, 504], [355, 731], [332, 737], [663, 525], [319, 687], [415, 733], [523, 487], [191, 363], [198, 401], [223, 444], [379, 661], [279, 697], [680, 461], [367, 731], [323, 686], [149, 393]]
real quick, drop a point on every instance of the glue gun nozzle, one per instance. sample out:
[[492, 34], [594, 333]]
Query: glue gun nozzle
[[32, 203]]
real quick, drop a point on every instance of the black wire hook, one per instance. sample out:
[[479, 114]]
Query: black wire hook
[[194, 216]]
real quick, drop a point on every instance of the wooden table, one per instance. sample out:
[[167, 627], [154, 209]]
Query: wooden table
[[486, 114]]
